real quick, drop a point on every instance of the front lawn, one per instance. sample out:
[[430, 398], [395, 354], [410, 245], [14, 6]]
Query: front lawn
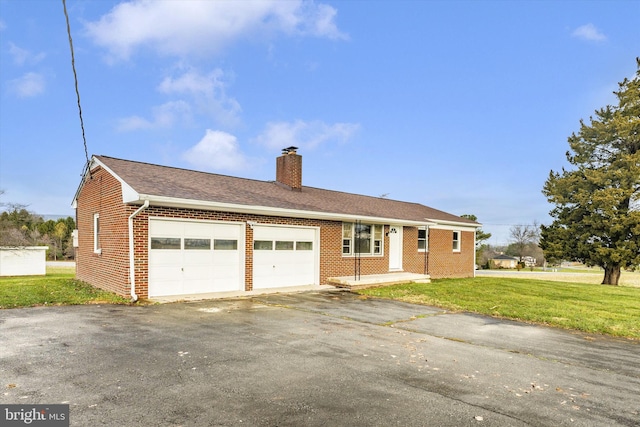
[[590, 308], [58, 287]]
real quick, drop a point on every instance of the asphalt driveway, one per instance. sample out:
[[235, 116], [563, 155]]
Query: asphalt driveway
[[315, 358]]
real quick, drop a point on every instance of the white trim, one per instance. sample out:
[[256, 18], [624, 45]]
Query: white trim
[[352, 253], [471, 229], [241, 242], [128, 193], [316, 246], [97, 249], [269, 211], [459, 240], [458, 224], [400, 243], [426, 238], [132, 264], [475, 261]]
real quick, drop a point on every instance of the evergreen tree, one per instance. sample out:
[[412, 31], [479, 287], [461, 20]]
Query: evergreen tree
[[481, 236], [597, 203]]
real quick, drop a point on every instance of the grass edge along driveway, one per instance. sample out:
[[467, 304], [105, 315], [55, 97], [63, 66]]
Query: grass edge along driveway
[[610, 310], [58, 287], [590, 308]]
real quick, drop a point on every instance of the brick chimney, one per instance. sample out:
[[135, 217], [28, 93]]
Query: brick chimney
[[289, 169]]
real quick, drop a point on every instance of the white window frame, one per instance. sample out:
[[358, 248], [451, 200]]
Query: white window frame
[[456, 243], [97, 248], [426, 239], [348, 242]]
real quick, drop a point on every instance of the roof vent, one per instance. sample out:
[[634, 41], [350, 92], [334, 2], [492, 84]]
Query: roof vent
[[289, 150]]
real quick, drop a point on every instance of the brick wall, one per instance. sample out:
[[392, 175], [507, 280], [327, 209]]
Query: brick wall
[[443, 262], [289, 170], [413, 261], [110, 269], [332, 263]]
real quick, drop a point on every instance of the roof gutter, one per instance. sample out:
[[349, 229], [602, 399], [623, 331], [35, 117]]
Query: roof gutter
[[272, 211], [132, 271]]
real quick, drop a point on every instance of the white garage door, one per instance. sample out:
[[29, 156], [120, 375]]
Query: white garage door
[[193, 257], [284, 256]]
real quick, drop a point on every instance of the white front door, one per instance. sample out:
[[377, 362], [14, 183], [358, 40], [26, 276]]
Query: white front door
[[395, 248]]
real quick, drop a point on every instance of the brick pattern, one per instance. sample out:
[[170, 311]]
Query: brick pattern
[[443, 262], [289, 170], [110, 270]]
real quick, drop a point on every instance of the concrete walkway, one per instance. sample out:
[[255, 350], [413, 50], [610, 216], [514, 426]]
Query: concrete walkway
[[371, 280], [239, 294]]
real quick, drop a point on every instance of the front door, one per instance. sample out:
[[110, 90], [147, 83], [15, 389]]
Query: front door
[[395, 248]]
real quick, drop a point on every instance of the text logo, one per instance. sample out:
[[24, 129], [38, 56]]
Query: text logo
[[34, 415]]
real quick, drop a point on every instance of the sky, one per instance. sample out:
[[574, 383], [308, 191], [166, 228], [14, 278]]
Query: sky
[[463, 106]]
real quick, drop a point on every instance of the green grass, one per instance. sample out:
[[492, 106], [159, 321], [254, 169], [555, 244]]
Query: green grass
[[585, 307], [58, 287]]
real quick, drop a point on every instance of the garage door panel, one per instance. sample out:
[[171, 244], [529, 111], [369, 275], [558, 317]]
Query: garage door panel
[[168, 228]]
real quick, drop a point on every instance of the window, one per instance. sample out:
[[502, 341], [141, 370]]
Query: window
[[225, 245], [263, 245], [304, 246], [377, 239], [165, 243], [422, 239], [96, 234], [282, 245], [197, 244], [346, 237], [456, 241], [363, 239]]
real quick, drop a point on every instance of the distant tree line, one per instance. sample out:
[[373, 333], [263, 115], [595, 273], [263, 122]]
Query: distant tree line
[[20, 227]]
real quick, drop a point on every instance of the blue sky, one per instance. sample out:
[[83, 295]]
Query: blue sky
[[464, 106]]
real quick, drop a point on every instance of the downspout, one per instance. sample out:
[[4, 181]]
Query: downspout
[[475, 253], [132, 271], [426, 249]]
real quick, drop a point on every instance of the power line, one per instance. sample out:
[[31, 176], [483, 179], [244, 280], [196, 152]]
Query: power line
[[75, 78]]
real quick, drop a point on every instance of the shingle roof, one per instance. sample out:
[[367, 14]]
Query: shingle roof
[[164, 181], [505, 257]]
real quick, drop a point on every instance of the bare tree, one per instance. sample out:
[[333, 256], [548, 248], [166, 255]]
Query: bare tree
[[523, 237]]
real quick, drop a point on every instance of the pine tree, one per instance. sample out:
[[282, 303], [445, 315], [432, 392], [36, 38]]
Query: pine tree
[[597, 203]]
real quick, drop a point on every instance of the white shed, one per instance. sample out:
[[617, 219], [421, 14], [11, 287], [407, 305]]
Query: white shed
[[23, 261]]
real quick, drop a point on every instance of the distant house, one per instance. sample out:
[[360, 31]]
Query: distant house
[[149, 230], [505, 261]]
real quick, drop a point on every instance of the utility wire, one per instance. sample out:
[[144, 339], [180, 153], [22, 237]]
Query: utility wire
[[75, 78]]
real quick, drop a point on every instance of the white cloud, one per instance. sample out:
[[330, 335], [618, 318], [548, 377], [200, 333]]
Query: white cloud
[[208, 92], [22, 56], [216, 150], [589, 32], [3, 26], [27, 86], [305, 134], [164, 116], [202, 26]]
